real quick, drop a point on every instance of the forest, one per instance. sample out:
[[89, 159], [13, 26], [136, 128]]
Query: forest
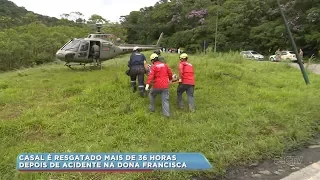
[[28, 39], [241, 24]]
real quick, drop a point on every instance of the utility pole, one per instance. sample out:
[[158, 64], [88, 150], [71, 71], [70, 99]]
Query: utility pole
[[305, 76], [215, 37]]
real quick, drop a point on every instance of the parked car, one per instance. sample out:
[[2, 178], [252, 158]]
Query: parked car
[[252, 55], [285, 55]]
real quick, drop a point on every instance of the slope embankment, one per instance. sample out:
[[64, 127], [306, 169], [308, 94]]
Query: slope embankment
[[245, 111]]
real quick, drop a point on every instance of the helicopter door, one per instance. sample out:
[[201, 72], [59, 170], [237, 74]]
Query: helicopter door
[[84, 50], [107, 49]]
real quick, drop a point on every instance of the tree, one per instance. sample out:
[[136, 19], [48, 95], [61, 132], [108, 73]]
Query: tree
[[95, 17], [77, 17]]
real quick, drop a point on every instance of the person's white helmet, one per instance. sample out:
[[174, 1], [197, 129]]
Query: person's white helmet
[[135, 48]]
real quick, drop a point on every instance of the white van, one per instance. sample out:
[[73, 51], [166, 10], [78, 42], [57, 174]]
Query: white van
[[285, 55]]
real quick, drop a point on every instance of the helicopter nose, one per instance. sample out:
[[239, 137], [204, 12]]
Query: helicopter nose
[[60, 55]]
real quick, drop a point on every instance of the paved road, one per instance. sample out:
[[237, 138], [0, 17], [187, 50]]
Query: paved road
[[302, 164], [313, 67], [311, 172]]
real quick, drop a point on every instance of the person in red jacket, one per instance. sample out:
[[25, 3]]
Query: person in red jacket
[[186, 82], [161, 75]]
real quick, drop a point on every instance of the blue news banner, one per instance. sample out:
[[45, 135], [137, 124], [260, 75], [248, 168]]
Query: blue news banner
[[111, 161]]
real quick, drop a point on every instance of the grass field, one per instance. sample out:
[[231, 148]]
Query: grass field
[[245, 111]]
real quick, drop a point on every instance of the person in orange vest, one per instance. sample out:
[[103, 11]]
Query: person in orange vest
[[186, 82], [161, 75]]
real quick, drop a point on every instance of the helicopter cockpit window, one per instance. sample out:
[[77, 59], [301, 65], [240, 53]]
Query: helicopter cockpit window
[[72, 46], [84, 46]]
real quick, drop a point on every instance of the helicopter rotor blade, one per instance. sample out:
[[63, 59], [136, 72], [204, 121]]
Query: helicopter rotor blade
[[114, 25]]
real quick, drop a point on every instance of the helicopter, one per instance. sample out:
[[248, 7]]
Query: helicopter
[[77, 51]]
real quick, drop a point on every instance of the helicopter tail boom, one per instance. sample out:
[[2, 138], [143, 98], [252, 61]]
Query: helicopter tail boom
[[160, 37], [143, 47]]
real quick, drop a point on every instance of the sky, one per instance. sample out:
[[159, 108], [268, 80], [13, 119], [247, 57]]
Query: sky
[[108, 9]]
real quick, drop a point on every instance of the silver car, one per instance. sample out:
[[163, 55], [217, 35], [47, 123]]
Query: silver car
[[252, 55]]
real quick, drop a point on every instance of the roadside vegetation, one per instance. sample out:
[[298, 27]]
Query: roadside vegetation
[[246, 111]]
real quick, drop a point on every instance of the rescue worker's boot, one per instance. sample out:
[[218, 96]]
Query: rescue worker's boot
[[191, 108], [141, 91], [133, 86]]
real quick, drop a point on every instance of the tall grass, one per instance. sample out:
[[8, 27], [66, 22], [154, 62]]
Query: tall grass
[[245, 111]]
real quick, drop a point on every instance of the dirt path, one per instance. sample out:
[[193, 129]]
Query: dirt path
[[313, 67]]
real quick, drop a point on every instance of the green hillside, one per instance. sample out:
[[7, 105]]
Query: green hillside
[[9, 8], [246, 110], [12, 15], [28, 39]]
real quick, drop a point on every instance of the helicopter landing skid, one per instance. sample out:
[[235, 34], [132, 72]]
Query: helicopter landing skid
[[81, 64], [84, 66], [69, 66]]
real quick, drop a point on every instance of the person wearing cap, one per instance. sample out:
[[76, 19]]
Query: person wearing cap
[[138, 66], [186, 82], [161, 75], [160, 58]]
